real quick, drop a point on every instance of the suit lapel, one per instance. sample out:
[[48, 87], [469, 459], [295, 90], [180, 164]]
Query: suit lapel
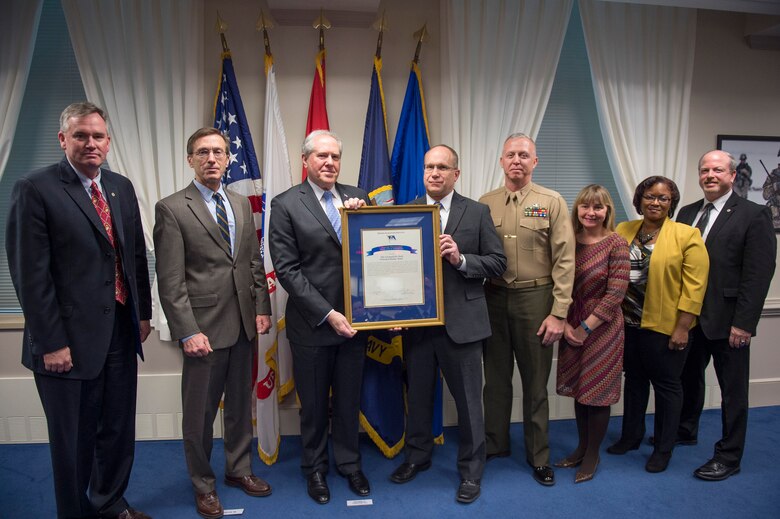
[[311, 203], [689, 215], [457, 209], [198, 207], [238, 216], [75, 189], [724, 215]]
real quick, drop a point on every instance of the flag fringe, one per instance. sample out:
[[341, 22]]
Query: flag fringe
[[388, 450]]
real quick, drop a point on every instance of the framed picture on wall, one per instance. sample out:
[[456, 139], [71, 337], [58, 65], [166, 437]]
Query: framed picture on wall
[[758, 169]]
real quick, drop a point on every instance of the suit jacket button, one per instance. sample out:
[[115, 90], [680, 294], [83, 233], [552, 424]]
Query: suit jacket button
[[109, 282], [106, 310]]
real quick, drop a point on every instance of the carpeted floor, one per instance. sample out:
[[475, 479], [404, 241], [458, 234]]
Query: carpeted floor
[[621, 488]]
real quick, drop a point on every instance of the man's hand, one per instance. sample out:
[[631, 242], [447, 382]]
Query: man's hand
[[197, 346], [739, 338], [449, 249], [574, 336], [145, 329], [58, 361], [551, 330], [354, 203], [263, 324], [340, 325]]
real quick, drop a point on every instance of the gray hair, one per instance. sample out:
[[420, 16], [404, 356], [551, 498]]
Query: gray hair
[[308, 142], [732, 160], [78, 110], [519, 135]]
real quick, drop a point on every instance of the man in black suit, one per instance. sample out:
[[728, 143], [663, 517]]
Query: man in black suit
[[471, 251], [305, 244], [741, 243], [77, 257]]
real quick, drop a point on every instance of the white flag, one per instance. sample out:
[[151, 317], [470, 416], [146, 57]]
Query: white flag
[[274, 373]]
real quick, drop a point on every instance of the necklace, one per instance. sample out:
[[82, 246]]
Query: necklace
[[643, 237]]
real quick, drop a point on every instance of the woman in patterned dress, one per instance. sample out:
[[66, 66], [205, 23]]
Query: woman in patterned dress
[[669, 268], [590, 356]]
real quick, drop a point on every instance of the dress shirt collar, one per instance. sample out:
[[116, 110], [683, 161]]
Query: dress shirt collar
[[445, 202], [318, 192], [207, 193], [85, 180]]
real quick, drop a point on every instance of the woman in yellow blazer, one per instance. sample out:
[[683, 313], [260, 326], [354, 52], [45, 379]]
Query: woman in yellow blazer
[[669, 268]]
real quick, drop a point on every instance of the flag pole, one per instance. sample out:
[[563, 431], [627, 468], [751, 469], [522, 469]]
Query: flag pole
[[221, 28], [380, 25], [420, 36], [322, 23]]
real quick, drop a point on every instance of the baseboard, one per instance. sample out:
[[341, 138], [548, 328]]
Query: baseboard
[[159, 408]]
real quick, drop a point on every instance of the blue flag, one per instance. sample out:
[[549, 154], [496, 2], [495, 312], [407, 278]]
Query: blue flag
[[382, 399], [243, 173], [375, 176], [411, 142]]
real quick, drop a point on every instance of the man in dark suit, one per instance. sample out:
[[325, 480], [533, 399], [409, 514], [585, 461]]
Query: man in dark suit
[[214, 293], [77, 257], [471, 251], [328, 354], [741, 243]]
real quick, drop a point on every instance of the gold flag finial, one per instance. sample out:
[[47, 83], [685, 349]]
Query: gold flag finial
[[321, 23], [381, 26], [221, 28], [263, 24], [420, 36]]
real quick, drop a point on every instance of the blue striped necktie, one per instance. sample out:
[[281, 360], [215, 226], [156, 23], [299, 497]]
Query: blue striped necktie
[[332, 213], [222, 220]]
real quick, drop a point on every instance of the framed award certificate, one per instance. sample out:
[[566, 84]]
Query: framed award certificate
[[392, 266]]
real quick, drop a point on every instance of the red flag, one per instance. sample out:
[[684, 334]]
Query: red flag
[[318, 111]]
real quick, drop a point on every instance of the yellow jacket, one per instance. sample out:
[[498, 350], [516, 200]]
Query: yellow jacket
[[677, 276]]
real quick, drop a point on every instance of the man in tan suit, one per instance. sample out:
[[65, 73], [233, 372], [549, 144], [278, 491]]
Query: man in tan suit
[[527, 304], [214, 294]]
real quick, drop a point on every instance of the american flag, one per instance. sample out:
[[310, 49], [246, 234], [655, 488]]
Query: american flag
[[243, 173]]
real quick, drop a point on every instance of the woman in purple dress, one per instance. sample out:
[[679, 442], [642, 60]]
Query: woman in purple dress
[[590, 355]]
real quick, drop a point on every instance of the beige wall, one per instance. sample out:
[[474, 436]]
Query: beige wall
[[734, 92]]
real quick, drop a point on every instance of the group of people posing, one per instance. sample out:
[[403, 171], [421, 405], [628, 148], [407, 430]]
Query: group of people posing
[[654, 298]]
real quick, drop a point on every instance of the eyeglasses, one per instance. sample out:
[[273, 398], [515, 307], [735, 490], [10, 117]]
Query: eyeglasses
[[204, 153], [443, 168], [660, 199]]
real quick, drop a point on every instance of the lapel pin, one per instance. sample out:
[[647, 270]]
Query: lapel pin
[[113, 194]]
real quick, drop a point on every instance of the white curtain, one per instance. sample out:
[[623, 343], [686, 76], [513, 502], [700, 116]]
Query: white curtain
[[641, 59], [18, 29], [499, 59], [142, 61]]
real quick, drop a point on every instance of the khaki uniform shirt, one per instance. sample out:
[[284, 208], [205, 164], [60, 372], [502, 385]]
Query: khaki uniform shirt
[[538, 239]]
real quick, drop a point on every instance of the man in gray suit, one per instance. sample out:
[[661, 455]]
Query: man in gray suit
[[328, 354], [213, 292], [471, 251]]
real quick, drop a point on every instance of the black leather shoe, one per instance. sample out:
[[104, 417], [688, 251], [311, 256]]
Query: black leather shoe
[[358, 483], [622, 447], [468, 491], [715, 471], [407, 471], [318, 487], [658, 462], [544, 475], [502, 454], [677, 441]]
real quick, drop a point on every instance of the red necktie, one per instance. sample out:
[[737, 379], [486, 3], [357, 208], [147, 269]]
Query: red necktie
[[120, 290]]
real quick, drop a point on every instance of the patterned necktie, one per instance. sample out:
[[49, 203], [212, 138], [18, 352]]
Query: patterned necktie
[[222, 219], [441, 221], [332, 213], [120, 290], [705, 218]]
